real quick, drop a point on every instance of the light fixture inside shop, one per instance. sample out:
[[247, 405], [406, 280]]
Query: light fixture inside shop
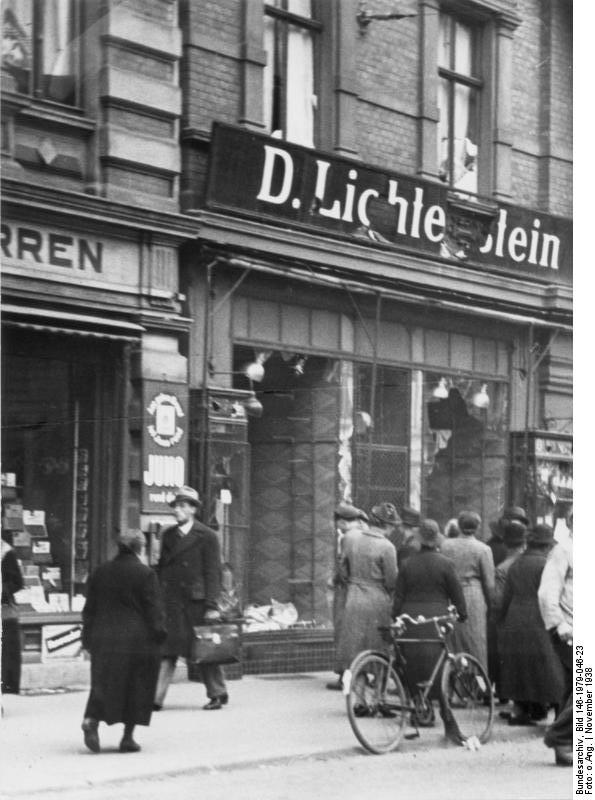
[[300, 365], [441, 390], [255, 370], [253, 406], [481, 399]]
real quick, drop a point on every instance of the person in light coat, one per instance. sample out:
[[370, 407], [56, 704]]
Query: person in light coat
[[555, 597], [474, 566], [369, 569]]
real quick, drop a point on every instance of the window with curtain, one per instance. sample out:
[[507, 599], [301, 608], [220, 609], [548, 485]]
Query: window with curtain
[[39, 48], [459, 92], [289, 84]]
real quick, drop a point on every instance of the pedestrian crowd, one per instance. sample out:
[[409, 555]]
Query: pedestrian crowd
[[513, 597]]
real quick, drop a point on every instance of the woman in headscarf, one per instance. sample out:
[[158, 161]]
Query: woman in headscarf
[[474, 566], [123, 627], [530, 672]]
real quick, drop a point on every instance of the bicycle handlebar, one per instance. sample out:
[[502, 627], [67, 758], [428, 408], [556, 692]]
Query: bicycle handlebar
[[400, 621]]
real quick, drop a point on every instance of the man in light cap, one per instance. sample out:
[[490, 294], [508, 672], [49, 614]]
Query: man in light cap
[[349, 520], [123, 627], [189, 570]]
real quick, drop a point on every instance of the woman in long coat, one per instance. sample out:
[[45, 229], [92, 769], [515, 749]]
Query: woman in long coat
[[474, 565], [123, 627], [369, 568], [530, 672]]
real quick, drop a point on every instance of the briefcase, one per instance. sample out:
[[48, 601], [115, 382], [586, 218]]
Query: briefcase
[[216, 644]]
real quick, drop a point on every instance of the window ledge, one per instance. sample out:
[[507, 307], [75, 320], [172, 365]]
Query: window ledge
[[57, 116]]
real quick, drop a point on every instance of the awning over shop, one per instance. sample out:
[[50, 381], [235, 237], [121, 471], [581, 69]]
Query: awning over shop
[[66, 322], [405, 296]]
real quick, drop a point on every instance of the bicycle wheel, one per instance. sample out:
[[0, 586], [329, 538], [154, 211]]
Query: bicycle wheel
[[376, 703], [468, 692]]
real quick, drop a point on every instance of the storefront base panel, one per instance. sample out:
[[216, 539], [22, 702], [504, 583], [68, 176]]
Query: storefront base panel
[[71, 675], [288, 651], [267, 652]]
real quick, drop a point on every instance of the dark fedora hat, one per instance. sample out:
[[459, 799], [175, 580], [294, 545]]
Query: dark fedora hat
[[410, 516], [515, 512], [514, 532], [186, 494], [347, 511], [469, 521], [540, 536], [385, 514]]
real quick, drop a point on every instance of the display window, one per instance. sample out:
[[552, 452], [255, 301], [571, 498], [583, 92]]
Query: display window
[[465, 446], [48, 430]]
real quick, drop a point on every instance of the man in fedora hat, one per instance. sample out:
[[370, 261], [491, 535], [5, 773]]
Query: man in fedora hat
[[189, 571]]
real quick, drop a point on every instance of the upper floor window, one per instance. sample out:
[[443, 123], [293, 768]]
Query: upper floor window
[[459, 89], [290, 42], [39, 48]]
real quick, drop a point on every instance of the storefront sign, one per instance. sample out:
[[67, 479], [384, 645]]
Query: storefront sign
[[64, 256], [165, 448], [257, 175], [61, 641]]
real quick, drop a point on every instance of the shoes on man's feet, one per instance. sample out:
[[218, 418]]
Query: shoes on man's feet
[[563, 756], [91, 735], [336, 685], [128, 745], [520, 719], [213, 705], [224, 699]]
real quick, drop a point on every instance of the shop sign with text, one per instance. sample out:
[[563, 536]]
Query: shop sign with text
[[259, 176], [165, 444], [65, 256]]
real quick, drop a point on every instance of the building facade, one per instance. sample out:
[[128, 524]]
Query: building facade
[[290, 251]]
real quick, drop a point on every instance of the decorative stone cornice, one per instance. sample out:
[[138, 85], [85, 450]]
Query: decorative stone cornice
[[88, 207]]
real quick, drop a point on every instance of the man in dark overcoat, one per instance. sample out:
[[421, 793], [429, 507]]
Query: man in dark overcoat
[[189, 570], [123, 627]]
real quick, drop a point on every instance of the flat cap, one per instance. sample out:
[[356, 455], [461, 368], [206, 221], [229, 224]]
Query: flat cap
[[347, 511]]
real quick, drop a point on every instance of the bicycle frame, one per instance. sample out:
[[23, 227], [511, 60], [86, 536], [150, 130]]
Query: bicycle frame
[[397, 659]]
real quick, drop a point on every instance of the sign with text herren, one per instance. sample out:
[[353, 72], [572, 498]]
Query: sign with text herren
[[256, 175]]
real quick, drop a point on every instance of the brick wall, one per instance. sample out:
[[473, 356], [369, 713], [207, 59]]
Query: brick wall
[[387, 65]]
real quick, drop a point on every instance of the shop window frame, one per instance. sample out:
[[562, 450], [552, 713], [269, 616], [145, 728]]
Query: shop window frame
[[283, 19], [35, 76], [473, 82]]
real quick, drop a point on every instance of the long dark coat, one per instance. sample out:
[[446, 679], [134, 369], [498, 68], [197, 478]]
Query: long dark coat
[[530, 671], [426, 584], [123, 627], [12, 581], [189, 570]]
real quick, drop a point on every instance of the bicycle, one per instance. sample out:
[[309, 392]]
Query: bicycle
[[381, 699]]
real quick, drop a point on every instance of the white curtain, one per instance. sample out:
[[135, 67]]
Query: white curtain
[[346, 431], [300, 87], [17, 33], [57, 47], [269, 72]]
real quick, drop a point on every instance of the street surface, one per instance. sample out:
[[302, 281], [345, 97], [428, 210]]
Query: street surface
[[283, 737]]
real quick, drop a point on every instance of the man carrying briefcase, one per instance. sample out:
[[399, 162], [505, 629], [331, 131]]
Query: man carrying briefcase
[[189, 571]]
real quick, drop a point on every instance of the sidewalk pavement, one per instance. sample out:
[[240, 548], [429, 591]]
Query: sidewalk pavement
[[270, 718]]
